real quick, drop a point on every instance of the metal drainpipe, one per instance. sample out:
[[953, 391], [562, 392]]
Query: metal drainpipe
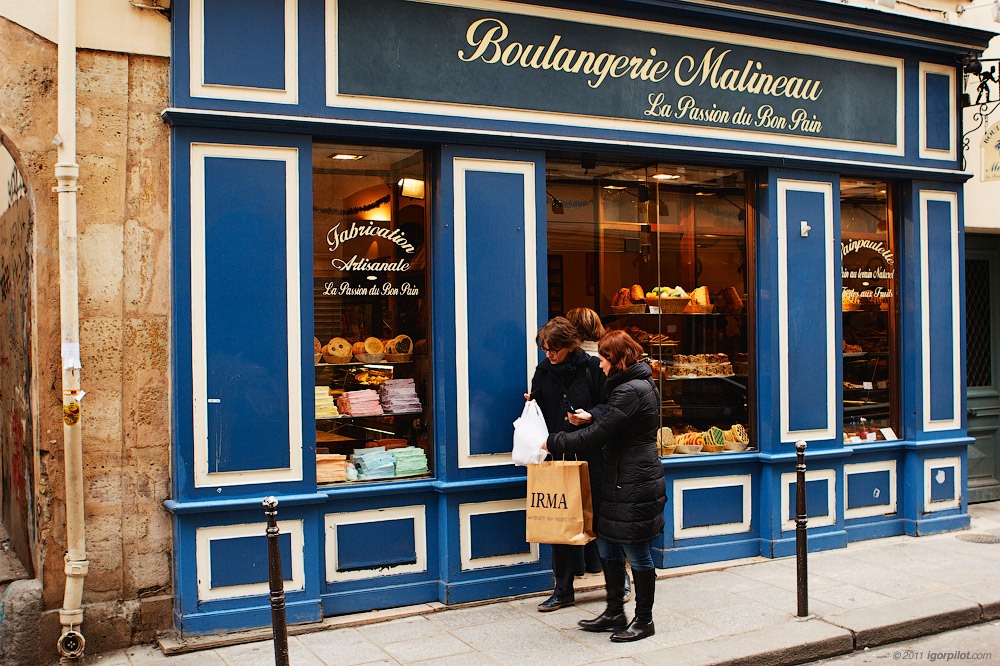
[[71, 642]]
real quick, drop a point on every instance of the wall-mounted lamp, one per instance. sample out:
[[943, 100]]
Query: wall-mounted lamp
[[995, 4], [411, 188]]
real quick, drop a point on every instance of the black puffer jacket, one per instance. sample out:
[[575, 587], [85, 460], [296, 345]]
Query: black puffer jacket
[[633, 490], [577, 382]]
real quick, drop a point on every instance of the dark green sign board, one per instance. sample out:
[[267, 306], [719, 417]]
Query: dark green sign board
[[400, 49]]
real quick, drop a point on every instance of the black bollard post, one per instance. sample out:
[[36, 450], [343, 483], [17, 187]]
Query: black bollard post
[[801, 544], [279, 625]]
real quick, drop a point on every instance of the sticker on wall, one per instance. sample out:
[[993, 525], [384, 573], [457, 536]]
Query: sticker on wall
[[991, 153]]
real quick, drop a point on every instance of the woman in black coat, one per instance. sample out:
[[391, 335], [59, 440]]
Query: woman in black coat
[[633, 490], [566, 380]]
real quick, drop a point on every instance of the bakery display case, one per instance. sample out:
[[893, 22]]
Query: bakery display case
[[370, 302], [663, 252]]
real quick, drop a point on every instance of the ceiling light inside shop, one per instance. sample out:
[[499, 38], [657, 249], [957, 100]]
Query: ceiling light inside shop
[[615, 187], [411, 188], [346, 157], [666, 176]]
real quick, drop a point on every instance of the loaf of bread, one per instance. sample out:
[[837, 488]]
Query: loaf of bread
[[700, 296], [358, 348], [732, 297], [337, 347], [637, 294]]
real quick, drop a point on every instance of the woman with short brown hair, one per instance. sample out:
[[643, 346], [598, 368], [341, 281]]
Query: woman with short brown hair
[[633, 489]]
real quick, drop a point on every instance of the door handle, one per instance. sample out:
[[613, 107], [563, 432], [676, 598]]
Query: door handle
[[983, 411]]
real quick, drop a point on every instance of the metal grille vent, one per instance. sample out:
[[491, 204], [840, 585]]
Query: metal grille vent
[[979, 538], [978, 334]]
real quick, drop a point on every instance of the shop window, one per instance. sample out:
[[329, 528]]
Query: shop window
[[370, 309], [661, 251], [868, 272]]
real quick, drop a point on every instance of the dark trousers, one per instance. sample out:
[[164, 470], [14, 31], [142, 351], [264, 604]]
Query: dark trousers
[[563, 569]]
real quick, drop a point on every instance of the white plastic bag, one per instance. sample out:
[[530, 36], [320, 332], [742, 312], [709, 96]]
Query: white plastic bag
[[530, 432]]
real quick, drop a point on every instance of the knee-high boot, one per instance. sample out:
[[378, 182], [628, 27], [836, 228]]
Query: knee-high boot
[[613, 617], [644, 583]]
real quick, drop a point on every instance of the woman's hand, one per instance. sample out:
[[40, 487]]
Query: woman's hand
[[545, 446], [579, 417], [527, 396]]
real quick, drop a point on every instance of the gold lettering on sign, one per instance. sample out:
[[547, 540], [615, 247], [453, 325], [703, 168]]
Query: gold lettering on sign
[[490, 44]]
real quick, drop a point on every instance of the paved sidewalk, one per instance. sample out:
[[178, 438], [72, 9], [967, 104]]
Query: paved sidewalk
[[867, 594]]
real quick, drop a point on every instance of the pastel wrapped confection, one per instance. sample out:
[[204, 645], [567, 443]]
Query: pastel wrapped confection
[[714, 436], [688, 438]]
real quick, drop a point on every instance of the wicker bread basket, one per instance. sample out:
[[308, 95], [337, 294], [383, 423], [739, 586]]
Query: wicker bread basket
[[369, 358], [399, 358], [669, 305], [337, 360], [634, 308]]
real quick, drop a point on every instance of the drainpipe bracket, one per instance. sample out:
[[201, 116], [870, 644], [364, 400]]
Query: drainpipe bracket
[[77, 568]]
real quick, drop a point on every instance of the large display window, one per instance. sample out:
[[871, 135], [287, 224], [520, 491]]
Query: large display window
[[663, 252], [371, 312], [868, 274]]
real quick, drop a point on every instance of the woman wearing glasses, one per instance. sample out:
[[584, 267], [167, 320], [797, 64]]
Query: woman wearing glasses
[[567, 380], [633, 491]]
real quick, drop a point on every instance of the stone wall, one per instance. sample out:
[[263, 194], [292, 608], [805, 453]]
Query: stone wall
[[124, 284]]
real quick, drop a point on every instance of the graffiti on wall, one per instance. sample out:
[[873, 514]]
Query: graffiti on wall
[[16, 442]]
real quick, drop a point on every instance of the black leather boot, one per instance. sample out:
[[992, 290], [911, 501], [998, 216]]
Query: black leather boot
[[644, 584], [613, 618]]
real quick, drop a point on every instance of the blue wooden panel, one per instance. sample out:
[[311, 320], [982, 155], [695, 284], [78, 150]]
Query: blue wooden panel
[[817, 498], [358, 549], [245, 47], [496, 305], [938, 104], [246, 314], [941, 342], [868, 489], [713, 506], [243, 560], [942, 483], [496, 534], [808, 326]]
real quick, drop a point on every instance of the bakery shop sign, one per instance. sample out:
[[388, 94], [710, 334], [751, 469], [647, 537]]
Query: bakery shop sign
[[547, 60], [864, 264], [337, 239]]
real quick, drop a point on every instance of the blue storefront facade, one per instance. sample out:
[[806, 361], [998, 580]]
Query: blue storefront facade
[[475, 102]]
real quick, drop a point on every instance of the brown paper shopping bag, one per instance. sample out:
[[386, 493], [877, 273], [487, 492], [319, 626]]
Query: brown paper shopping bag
[[559, 504]]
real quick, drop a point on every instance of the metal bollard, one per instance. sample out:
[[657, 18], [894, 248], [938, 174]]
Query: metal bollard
[[279, 625], [801, 544]]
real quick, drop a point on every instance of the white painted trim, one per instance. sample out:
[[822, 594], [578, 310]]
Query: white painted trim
[[335, 99], [826, 189], [943, 505], [416, 514], [789, 159], [467, 511], [936, 153], [787, 479], [462, 166], [196, 35], [203, 477], [745, 481], [204, 536], [931, 285], [879, 509]]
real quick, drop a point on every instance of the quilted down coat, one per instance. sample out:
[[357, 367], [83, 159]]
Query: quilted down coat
[[633, 490]]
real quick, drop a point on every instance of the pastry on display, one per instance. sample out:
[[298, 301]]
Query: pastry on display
[[337, 350], [699, 365]]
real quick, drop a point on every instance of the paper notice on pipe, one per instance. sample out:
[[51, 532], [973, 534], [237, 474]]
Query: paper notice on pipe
[[71, 356]]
